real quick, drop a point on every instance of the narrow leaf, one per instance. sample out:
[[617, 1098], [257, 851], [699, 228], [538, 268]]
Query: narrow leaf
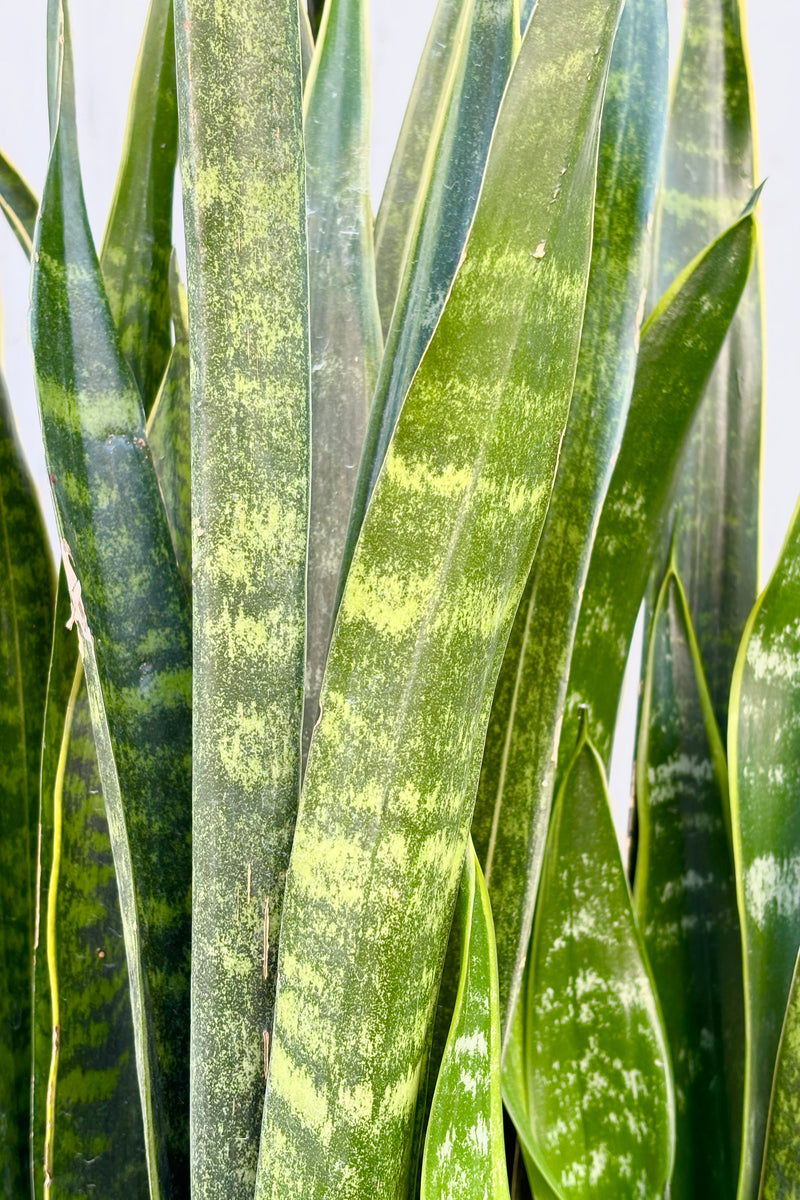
[[132, 617], [17, 203], [599, 1086], [464, 1147], [239, 85], [780, 1179], [346, 339], [138, 240], [685, 898], [514, 796], [764, 764], [437, 575]]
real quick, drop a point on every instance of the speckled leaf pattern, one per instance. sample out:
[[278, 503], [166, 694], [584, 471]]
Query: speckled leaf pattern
[[486, 42], [394, 222], [346, 339], [708, 176], [239, 82], [26, 586], [465, 1156], [685, 899], [514, 796], [437, 575], [780, 1175], [679, 345], [764, 764], [599, 1086], [138, 240], [133, 621], [17, 203]]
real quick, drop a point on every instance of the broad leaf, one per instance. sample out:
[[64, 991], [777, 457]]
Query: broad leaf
[[779, 1178], [132, 616], [244, 202], [437, 575], [514, 796], [685, 898], [18, 203], [764, 764], [464, 1147]]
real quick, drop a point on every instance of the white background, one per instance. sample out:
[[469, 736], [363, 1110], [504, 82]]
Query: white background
[[107, 34]]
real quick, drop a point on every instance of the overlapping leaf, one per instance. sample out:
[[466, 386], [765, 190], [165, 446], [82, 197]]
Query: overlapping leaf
[[779, 1179], [18, 203]]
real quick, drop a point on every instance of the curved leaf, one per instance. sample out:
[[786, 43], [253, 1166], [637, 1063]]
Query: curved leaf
[[779, 1180], [132, 617], [239, 83], [438, 572], [17, 203], [514, 796], [685, 898], [764, 764], [464, 1147], [599, 1085]]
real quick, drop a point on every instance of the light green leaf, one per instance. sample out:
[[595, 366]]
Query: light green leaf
[[346, 339], [17, 203], [133, 620], [239, 81], [464, 1147], [514, 796], [780, 1179], [437, 575], [599, 1091], [306, 39], [685, 898], [679, 346], [764, 764], [138, 239]]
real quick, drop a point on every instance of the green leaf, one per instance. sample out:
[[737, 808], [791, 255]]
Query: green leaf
[[514, 797], [133, 621], [486, 42], [239, 81], [679, 346], [764, 765], [306, 39], [464, 1147], [26, 587], [600, 1103], [138, 240], [708, 175], [346, 339], [395, 219], [438, 572], [685, 898], [779, 1180], [17, 203]]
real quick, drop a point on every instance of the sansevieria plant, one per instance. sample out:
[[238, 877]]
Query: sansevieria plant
[[309, 886]]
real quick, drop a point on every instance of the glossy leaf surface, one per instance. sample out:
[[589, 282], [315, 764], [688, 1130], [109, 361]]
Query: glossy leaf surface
[[514, 797], [133, 620], [17, 203], [764, 763], [685, 898], [244, 203], [780, 1179], [679, 346], [438, 573], [600, 1101], [464, 1148], [346, 339]]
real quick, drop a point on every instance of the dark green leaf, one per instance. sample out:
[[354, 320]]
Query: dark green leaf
[[18, 203], [780, 1179]]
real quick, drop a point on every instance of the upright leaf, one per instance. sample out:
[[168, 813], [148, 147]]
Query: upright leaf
[[708, 175], [464, 1148], [685, 898], [132, 617], [346, 339], [18, 203], [679, 345], [438, 573], [515, 791], [241, 121], [138, 240], [779, 1178], [600, 1102], [764, 764]]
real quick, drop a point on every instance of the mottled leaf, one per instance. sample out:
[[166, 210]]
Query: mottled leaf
[[685, 898], [244, 203], [464, 1148], [17, 203], [437, 575], [780, 1179], [764, 764]]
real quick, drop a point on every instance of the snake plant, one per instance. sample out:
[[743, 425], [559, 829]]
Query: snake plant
[[309, 886]]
